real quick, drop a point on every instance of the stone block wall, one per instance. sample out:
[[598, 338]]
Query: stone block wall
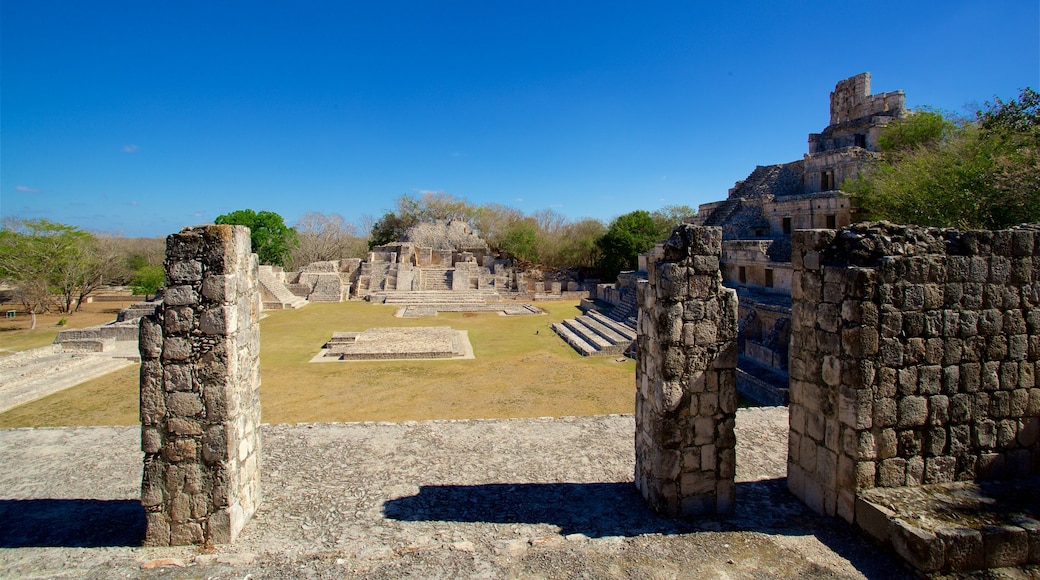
[[200, 391], [914, 359], [686, 398]]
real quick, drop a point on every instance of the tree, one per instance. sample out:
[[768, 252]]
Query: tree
[[670, 216], [324, 237], [580, 249], [628, 236], [148, 279], [520, 239], [947, 172], [390, 228], [43, 259], [272, 240]]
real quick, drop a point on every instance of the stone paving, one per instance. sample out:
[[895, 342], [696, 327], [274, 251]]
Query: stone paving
[[438, 499], [33, 374]]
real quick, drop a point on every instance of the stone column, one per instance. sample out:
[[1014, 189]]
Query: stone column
[[200, 391], [686, 397]]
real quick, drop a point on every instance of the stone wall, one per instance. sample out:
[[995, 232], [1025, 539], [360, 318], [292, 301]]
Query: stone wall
[[851, 100], [686, 396], [914, 359], [200, 391]]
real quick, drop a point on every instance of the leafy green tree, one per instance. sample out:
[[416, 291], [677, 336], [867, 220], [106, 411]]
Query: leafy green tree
[[670, 216], [148, 279], [521, 239], [580, 249], [938, 171], [44, 259], [627, 236], [272, 240], [390, 228]]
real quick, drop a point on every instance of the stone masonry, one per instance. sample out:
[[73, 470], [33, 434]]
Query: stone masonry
[[686, 396], [915, 354], [200, 391]]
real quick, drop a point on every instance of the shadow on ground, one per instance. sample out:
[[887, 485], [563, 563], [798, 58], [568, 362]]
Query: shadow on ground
[[70, 523], [617, 509]]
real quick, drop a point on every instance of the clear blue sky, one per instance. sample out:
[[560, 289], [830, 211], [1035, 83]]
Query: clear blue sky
[[143, 117]]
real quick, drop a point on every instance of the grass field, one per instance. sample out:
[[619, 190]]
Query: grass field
[[15, 334], [521, 369]]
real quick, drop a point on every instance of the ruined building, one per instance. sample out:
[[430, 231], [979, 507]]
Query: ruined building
[[760, 213], [435, 262]]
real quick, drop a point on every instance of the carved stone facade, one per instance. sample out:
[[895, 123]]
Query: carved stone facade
[[686, 397], [200, 391], [762, 211]]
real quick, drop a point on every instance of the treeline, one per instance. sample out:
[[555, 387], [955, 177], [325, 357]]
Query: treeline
[[56, 266], [545, 239]]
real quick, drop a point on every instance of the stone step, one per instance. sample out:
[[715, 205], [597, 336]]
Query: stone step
[[626, 330], [285, 298], [578, 343], [588, 335], [603, 330]]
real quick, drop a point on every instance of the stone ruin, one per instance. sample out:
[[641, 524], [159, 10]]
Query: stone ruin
[[915, 357], [760, 214], [686, 392], [397, 343], [446, 260], [200, 391]]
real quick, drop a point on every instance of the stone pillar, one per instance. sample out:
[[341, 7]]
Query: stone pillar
[[686, 398], [200, 391]]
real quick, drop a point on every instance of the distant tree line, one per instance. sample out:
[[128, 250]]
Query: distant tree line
[[545, 239]]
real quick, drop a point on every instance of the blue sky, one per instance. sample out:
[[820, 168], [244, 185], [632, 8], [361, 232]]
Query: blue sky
[[140, 118]]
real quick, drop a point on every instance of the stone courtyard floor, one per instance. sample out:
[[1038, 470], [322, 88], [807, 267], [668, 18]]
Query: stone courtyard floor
[[549, 498]]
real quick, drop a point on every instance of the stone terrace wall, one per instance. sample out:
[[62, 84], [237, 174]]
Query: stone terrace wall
[[200, 391], [686, 397], [914, 359]]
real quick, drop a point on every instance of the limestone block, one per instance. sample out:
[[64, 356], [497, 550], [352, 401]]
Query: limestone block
[[183, 295], [1005, 546], [921, 548]]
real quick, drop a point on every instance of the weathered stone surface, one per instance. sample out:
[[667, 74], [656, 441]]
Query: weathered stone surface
[[196, 398]]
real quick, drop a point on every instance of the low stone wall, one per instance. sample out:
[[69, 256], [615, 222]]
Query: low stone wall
[[200, 391], [914, 359], [686, 396]]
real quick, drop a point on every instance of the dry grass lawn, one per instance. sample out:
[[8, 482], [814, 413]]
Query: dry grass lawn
[[521, 369], [15, 334]]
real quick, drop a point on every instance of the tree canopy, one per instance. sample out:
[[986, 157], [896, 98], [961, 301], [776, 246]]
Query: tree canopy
[[272, 240], [627, 236], [938, 170], [44, 260]]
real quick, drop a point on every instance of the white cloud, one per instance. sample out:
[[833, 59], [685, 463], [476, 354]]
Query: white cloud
[[518, 199], [130, 148], [133, 202], [25, 189]]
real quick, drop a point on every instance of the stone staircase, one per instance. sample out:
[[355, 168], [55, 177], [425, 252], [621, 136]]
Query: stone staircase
[[434, 297], [723, 212], [275, 295], [436, 279], [626, 311], [596, 334]]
